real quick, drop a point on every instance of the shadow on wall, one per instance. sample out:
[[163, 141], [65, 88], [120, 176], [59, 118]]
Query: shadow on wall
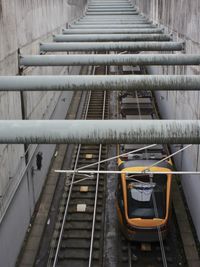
[[1, 9]]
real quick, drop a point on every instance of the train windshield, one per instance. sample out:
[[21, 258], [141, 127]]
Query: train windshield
[[146, 196]]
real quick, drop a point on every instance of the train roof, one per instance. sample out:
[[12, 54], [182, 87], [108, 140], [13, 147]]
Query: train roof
[[139, 163]]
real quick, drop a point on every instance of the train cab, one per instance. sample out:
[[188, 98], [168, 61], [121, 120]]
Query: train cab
[[144, 200]]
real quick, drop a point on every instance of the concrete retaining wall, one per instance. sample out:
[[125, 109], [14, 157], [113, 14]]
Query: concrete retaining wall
[[181, 19], [23, 25]]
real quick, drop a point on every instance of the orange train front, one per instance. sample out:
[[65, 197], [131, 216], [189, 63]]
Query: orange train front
[[144, 200]]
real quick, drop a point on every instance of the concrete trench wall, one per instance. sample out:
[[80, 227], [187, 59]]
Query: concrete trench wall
[[23, 25], [181, 19]]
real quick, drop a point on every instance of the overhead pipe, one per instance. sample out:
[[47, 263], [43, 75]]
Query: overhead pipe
[[111, 18], [81, 60], [109, 2], [100, 82], [110, 37], [112, 31], [88, 13], [111, 9], [114, 16], [109, 46], [135, 19], [111, 22], [97, 131], [130, 20], [105, 7], [113, 26]]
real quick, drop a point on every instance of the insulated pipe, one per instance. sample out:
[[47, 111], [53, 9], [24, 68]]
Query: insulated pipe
[[97, 131], [113, 26], [110, 31], [100, 82], [81, 60], [110, 37], [109, 46]]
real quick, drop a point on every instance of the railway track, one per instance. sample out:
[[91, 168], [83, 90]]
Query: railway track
[[78, 238], [141, 105]]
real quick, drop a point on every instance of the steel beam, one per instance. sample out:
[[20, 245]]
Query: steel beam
[[110, 37], [97, 131], [115, 46], [81, 60], [112, 31], [100, 82]]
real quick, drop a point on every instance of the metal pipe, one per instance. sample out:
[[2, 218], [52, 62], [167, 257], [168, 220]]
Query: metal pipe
[[115, 21], [116, 7], [97, 131], [108, 46], [111, 22], [81, 60], [110, 37], [129, 172], [110, 9], [112, 13], [110, 3], [114, 16], [114, 26], [111, 31], [112, 19], [100, 82], [105, 5]]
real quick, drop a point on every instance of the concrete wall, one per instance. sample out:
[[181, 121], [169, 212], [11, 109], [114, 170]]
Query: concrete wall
[[181, 18], [23, 25]]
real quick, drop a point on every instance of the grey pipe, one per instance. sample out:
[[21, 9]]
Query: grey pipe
[[110, 37], [113, 26], [88, 13], [97, 131], [115, 46], [113, 9], [81, 60], [100, 82], [112, 31], [111, 22], [114, 20]]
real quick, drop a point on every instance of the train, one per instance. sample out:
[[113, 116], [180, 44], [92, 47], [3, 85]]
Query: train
[[143, 200]]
